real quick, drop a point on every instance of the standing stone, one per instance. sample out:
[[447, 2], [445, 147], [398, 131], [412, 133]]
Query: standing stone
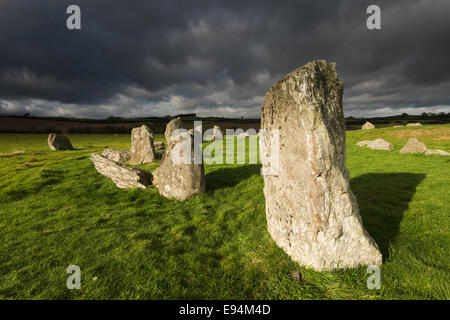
[[311, 212], [175, 180], [413, 146], [57, 141], [367, 126], [414, 124], [171, 126], [122, 176], [142, 148], [377, 144], [117, 155]]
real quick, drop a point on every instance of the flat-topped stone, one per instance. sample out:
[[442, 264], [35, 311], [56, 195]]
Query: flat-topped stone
[[121, 175], [117, 155]]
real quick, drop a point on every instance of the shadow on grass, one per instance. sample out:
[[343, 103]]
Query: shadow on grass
[[230, 176], [382, 200]]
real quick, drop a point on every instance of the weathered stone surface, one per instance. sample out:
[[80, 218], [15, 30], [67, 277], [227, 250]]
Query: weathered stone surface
[[159, 145], [142, 147], [367, 126], [117, 155], [377, 144], [175, 180], [414, 124], [311, 212], [171, 126], [121, 175], [57, 141], [437, 151], [413, 146]]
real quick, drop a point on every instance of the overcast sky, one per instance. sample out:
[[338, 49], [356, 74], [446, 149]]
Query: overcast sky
[[217, 58]]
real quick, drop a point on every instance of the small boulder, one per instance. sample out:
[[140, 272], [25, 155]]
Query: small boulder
[[377, 144], [413, 146], [57, 141], [122, 176], [414, 124], [117, 155], [367, 126], [142, 147]]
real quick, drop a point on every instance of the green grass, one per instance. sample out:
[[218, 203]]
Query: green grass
[[56, 210]]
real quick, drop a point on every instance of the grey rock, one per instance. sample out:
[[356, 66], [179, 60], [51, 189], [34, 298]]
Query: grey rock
[[413, 145], [171, 126], [117, 155], [414, 124], [179, 181], [121, 175], [377, 144], [311, 212], [142, 147], [367, 126], [57, 141], [297, 276], [437, 151]]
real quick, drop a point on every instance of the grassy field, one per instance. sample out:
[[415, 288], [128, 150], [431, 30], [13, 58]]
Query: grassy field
[[56, 210]]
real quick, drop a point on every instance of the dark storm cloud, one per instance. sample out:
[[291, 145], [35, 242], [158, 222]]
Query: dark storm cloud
[[141, 58]]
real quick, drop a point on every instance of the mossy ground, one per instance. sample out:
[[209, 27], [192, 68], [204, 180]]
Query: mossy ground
[[56, 210]]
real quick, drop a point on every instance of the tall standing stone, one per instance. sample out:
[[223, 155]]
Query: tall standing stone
[[171, 126], [311, 212], [175, 179], [142, 147]]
